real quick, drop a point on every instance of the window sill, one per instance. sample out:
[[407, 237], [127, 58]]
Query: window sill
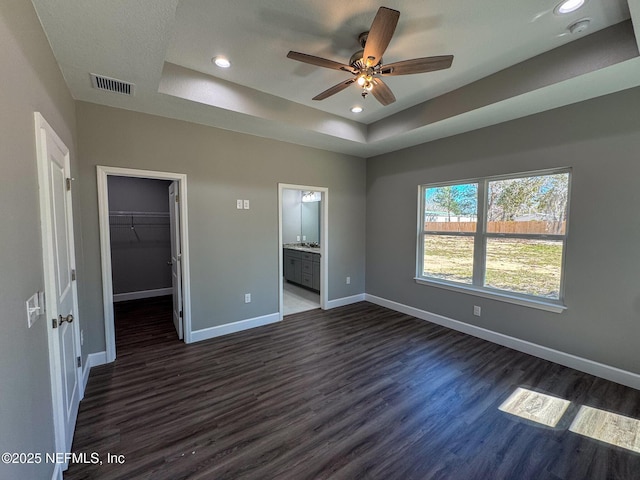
[[548, 306]]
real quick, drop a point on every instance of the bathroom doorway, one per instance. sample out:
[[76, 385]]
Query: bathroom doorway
[[303, 248]]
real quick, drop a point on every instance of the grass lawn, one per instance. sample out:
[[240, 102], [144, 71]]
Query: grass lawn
[[524, 266]]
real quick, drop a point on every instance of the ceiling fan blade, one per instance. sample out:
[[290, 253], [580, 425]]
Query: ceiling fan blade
[[417, 65], [382, 92], [318, 61], [335, 89], [382, 28]]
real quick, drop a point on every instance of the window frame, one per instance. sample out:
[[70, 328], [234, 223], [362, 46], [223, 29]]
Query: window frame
[[480, 236]]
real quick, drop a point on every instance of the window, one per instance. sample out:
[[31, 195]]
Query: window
[[498, 236]]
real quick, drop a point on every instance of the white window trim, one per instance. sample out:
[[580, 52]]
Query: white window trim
[[480, 236], [500, 295]]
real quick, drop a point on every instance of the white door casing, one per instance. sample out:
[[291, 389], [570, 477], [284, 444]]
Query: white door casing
[[324, 243], [59, 275], [105, 247], [176, 257]]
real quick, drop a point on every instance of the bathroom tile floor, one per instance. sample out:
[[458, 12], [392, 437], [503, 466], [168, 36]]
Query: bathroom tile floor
[[297, 299]]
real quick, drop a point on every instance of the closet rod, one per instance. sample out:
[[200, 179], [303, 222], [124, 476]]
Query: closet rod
[[138, 214]]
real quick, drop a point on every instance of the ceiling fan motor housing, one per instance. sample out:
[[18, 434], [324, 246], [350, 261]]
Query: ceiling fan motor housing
[[357, 61], [362, 38]]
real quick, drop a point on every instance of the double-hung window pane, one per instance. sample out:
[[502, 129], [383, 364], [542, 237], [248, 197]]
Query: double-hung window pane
[[448, 257], [499, 233], [450, 223], [535, 205], [528, 266], [526, 225]]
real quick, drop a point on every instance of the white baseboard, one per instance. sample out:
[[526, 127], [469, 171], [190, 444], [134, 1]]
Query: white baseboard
[[93, 360], [212, 332], [158, 292], [341, 302], [607, 372]]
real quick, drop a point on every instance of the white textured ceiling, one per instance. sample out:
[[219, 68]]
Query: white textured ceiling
[[165, 47]]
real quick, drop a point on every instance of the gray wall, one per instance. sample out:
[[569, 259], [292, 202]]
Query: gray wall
[[600, 140], [139, 258], [31, 81], [138, 194], [232, 251]]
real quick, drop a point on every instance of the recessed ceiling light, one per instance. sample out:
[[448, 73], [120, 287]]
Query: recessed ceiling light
[[356, 109], [568, 6], [222, 62]]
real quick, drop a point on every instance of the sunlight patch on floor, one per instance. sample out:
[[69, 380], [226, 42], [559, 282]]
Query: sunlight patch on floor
[[535, 406], [608, 427]]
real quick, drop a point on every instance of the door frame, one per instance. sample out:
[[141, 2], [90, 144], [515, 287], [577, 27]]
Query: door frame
[[324, 244], [103, 172], [43, 132], [176, 247]]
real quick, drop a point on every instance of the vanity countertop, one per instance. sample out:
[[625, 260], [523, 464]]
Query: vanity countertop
[[302, 248]]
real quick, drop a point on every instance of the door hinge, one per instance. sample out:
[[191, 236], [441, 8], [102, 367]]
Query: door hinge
[[73, 274], [68, 180], [79, 362], [180, 313], [177, 198]]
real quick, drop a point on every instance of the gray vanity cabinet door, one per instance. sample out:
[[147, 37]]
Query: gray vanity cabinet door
[[302, 268], [316, 273], [292, 266]]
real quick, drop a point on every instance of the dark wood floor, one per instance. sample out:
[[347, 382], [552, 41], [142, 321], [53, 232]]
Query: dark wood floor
[[358, 392]]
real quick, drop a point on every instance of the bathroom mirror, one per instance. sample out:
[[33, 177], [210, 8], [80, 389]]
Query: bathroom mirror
[[301, 216]]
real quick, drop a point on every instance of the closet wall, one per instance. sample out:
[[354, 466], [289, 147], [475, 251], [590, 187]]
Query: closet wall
[[140, 239]]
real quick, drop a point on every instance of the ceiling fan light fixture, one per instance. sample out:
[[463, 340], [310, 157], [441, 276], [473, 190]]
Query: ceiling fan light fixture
[[361, 80], [222, 62], [568, 6], [356, 109]]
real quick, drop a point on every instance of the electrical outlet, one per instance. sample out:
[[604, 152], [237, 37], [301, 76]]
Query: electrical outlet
[[247, 298], [348, 280], [477, 310], [239, 204], [246, 204], [81, 338]]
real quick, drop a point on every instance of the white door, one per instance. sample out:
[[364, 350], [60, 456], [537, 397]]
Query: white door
[[60, 289], [176, 257]]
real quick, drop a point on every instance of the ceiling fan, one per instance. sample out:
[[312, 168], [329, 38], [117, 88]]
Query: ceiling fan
[[366, 65]]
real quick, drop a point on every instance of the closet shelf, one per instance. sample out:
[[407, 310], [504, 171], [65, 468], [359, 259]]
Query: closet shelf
[[124, 226]]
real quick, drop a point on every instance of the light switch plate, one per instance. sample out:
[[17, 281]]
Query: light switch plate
[[246, 204], [239, 204], [33, 309]]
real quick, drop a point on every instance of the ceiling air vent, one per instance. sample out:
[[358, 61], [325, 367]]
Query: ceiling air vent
[[111, 85]]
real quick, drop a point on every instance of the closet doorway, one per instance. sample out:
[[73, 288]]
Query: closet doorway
[[303, 247], [144, 247]]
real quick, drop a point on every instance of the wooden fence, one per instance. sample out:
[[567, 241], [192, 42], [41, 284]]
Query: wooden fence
[[531, 226]]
